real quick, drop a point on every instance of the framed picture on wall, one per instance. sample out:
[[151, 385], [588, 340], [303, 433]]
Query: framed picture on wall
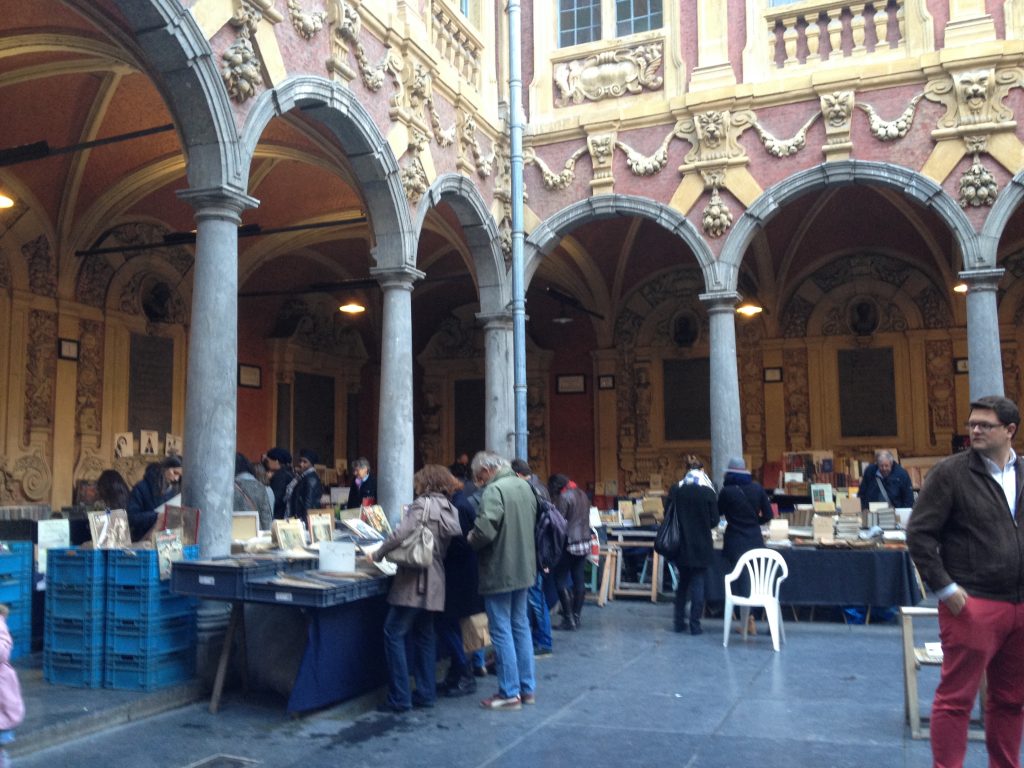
[[250, 376], [571, 384], [149, 442]]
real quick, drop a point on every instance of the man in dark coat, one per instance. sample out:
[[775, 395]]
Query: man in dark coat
[[364, 485], [278, 462], [696, 511], [304, 492], [887, 481]]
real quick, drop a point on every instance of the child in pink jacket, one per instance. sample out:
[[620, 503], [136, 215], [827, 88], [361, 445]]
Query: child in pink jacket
[[12, 708]]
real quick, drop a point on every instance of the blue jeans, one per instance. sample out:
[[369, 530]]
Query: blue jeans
[[513, 644], [539, 613], [400, 622], [450, 631]]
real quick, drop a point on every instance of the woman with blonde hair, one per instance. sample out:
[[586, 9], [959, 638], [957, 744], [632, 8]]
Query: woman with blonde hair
[[417, 595]]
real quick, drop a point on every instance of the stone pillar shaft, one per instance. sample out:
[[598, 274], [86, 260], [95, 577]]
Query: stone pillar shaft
[[210, 407], [984, 357], [499, 385], [726, 430], [395, 429]]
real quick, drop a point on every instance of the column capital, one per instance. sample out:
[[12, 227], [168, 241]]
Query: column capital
[[396, 277], [498, 321], [720, 301], [981, 279], [218, 202]]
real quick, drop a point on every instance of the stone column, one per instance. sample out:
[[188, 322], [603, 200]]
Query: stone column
[[984, 357], [394, 430], [499, 409], [726, 431], [210, 406]]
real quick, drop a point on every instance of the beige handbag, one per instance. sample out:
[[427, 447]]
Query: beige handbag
[[417, 549]]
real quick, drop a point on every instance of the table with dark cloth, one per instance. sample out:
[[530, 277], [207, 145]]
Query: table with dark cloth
[[836, 577]]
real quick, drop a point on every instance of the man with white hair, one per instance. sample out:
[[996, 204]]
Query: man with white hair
[[504, 541], [887, 481]]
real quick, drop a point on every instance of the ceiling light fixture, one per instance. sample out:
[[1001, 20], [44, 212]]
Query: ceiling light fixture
[[960, 288], [352, 308], [749, 309]]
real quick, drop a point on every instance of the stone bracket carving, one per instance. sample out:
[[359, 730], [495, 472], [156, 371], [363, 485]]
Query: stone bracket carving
[[471, 154], [978, 186], [785, 147], [29, 479], [714, 136], [974, 101], [344, 18], [602, 148], [555, 181], [306, 23], [890, 130], [609, 74]]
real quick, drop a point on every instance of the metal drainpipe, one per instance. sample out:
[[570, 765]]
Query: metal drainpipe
[[515, 99]]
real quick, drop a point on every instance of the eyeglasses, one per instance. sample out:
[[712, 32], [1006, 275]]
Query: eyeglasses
[[983, 426]]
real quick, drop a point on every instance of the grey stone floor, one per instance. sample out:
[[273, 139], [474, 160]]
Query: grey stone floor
[[623, 691]]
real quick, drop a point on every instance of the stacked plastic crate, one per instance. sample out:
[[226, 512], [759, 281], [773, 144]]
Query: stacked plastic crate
[[16, 592], [150, 631], [75, 603]]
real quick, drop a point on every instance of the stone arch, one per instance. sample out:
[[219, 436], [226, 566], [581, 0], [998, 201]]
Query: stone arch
[[481, 235], [167, 39], [1009, 200], [546, 236], [845, 172], [372, 161]]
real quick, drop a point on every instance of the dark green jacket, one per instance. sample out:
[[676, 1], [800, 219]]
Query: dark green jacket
[[503, 534]]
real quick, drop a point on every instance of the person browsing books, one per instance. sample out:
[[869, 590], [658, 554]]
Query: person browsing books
[[885, 481]]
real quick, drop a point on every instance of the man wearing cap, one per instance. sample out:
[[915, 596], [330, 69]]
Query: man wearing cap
[[279, 464], [968, 544], [304, 491]]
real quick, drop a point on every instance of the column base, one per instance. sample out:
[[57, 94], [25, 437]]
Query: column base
[[211, 624]]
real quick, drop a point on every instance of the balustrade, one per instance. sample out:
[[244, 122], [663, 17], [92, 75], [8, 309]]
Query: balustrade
[[456, 43]]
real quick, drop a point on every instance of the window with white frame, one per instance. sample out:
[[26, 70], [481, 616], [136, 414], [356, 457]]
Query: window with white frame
[[583, 21]]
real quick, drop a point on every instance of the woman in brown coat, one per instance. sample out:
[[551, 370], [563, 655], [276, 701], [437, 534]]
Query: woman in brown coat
[[417, 595]]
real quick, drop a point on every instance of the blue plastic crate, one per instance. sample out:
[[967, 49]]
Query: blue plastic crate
[[127, 567], [147, 638], [20, 615], [149, 603], [22, 643], [13, 590], [78, 670], [68, 602], [15, 563], [142, 673], [74, 635], [73, 566]]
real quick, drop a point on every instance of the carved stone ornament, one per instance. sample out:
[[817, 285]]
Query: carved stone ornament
[[471, 154], [714, 136], [609, 74], [241, 70], [312, 325], [797, 399], [343, 17], [555, 181], [89, 395], [42, 279], [941, 384], [29, 479], [644, 165], [717, 218], [414, 179], [306, 23], [890, 130], [247, 14], [785, 147], [40, 369], [975, 98], [977, 186]]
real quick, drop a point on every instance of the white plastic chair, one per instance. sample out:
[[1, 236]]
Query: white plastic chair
[[766, 570]]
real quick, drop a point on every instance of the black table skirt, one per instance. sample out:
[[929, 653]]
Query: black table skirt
[[836, 577]]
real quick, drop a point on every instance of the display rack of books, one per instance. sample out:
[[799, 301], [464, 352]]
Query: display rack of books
[[74, 624], [150, 630], [16, 593]]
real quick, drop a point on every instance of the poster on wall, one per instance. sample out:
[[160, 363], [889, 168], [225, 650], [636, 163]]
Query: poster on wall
[[172, 444], [124, 446], [149, 441]]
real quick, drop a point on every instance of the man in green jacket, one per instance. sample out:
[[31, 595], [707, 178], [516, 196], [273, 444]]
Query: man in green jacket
[[503, 537]]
